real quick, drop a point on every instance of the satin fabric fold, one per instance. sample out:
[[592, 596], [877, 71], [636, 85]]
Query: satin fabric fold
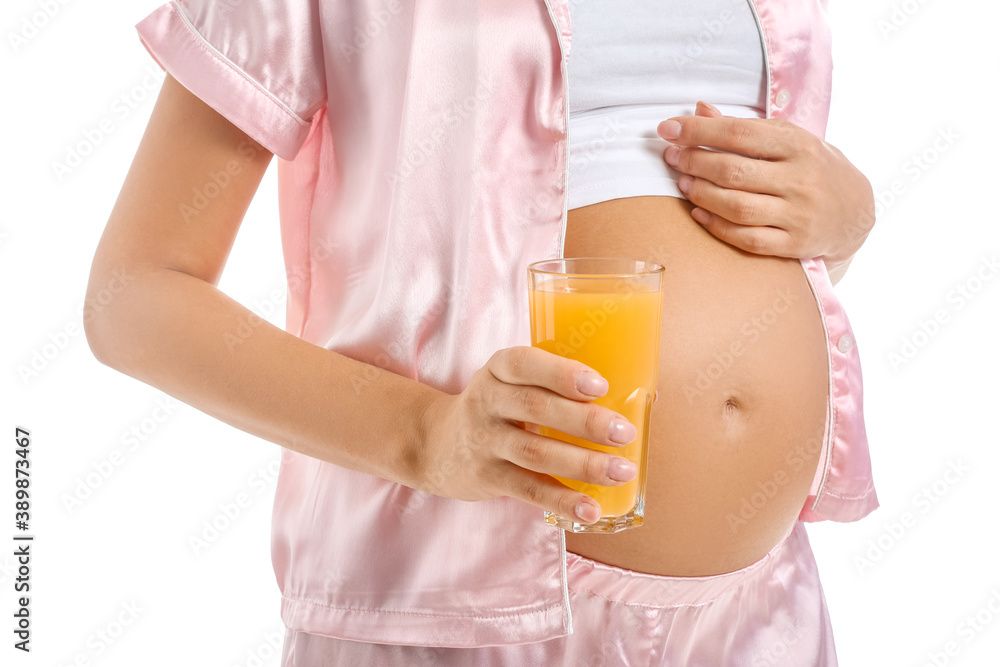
[[771, 613], [264, 71]]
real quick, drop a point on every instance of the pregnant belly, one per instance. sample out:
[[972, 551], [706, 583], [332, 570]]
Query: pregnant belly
[[735, 434]]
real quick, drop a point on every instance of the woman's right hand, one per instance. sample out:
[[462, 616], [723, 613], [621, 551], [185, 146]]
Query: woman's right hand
[[477, 445]]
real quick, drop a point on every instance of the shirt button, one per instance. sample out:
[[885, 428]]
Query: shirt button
[[845, 343], [782, 98]]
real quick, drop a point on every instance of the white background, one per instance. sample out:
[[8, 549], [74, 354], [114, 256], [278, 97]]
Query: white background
[[126, 545]]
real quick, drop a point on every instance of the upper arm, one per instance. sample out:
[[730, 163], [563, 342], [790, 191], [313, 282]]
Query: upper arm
[[243, 83], [181, 204]]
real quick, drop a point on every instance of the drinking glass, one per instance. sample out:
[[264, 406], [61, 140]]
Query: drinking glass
[[604, 312]]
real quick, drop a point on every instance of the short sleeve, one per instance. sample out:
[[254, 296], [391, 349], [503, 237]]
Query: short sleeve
[[259, 64]]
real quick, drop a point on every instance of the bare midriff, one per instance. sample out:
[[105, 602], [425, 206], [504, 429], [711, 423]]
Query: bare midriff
[[736, 431]]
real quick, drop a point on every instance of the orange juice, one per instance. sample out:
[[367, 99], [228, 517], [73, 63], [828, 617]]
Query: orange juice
[[613, 327]]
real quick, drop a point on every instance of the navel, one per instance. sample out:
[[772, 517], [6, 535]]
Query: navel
[[733, 408]]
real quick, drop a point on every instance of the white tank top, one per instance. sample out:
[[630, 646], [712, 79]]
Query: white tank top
[[635, 63]]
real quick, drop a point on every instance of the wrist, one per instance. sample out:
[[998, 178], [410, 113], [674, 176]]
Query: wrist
[[424, 420]]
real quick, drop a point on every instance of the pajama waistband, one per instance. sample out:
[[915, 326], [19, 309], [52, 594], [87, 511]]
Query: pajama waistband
[[640, 588]]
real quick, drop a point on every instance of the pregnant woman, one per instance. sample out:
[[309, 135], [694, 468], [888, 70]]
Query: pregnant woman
[[428, 152]]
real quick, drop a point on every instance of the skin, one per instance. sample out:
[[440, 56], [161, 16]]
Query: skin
[[168, 327], [762, 414], [758, 428], [786, 192]]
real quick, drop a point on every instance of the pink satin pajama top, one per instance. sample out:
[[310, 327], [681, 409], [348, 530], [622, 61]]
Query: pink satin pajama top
[[422, 166]]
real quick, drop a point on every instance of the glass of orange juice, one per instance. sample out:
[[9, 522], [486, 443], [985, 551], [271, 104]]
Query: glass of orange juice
[[604, 312]]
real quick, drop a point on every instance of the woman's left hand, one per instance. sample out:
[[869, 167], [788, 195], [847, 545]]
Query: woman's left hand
[[802, 198]]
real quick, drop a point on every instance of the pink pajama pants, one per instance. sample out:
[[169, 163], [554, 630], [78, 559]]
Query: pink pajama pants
[[772, 612]]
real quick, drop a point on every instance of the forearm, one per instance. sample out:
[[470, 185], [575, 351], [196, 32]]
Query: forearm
[[183, 335]]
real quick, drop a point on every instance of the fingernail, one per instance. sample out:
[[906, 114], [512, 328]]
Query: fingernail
[[621, 470], [591, 384], [684, 183], [587, 512], [622, 431], [671, 155], [669, 129], [700, 215]]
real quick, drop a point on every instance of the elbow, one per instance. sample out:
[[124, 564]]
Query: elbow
[[100, 322], [97, 330], [95, 335]]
